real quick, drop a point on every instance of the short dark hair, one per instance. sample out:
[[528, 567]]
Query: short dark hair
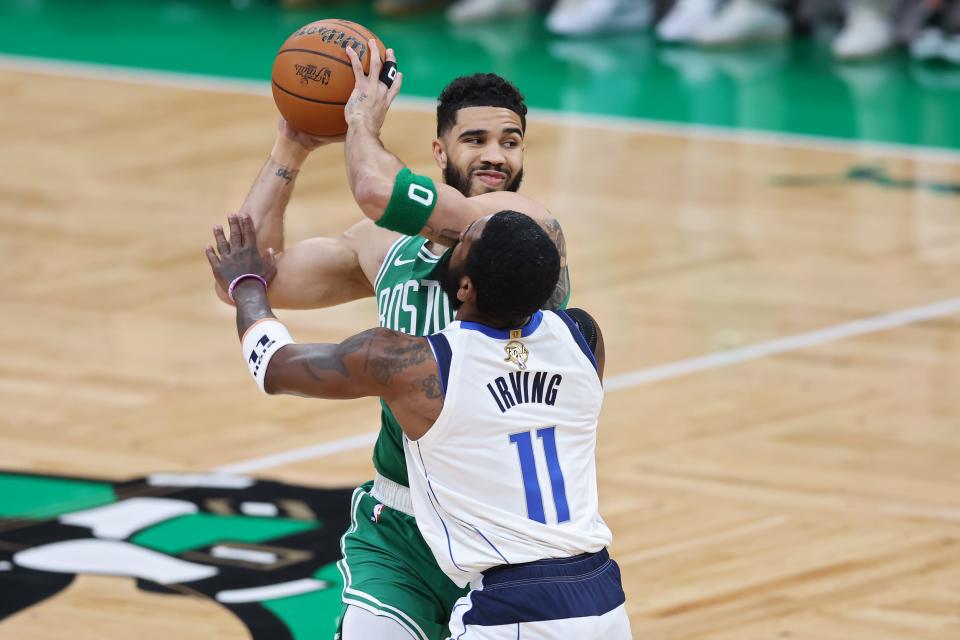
[[514, 266], [478, 90]]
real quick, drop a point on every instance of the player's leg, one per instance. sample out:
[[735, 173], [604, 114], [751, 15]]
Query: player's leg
[[389, 571], [359, 624]]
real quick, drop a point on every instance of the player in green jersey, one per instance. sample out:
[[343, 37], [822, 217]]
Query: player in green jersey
[[392, 585]]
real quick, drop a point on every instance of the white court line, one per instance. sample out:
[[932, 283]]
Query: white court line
[[783, 345], [220, 84], [660, 373], [694, 543], [298, 455]]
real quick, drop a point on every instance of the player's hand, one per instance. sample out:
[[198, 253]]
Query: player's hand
[[371, 98], [239, 255], [307, 141]]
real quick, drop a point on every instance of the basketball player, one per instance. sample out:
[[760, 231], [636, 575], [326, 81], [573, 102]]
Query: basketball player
[[478, 427], [393, 587]]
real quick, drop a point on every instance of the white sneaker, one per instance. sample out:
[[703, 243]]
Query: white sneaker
[[927, 44], [951, 49], [742, 22], [584, 17], [868, 31], [685, 19], [467, 11]]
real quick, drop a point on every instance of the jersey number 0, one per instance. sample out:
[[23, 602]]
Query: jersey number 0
[[531, 483]]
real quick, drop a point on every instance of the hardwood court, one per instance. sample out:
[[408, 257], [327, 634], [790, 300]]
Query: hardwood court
[[809, 495]]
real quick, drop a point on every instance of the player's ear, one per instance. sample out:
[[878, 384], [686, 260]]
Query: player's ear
[[439, 153], [466, 292]]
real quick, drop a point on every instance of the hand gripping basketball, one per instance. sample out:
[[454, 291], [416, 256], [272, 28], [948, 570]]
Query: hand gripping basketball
[[372, 97]]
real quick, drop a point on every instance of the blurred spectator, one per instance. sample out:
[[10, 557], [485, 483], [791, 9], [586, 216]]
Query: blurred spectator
[[933, 30], [868, 30], [685, 19], [743, 22], [469, 11], [403, 8], [584, 17]]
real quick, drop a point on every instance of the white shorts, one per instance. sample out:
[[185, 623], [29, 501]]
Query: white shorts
[[559, 599]]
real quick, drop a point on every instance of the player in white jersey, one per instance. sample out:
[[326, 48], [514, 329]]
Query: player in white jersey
[[499, 413]]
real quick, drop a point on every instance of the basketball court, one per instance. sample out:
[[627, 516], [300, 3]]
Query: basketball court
[[779, 448]]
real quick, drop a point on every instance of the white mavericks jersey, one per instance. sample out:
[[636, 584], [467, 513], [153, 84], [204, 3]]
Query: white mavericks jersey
[[507, 473]]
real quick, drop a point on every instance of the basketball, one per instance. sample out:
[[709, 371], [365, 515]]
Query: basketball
[[312, 76]]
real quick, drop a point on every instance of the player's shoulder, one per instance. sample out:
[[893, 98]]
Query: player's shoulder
[[496, 201]]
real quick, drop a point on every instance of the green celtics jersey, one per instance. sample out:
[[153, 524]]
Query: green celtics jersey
[[409, 299]]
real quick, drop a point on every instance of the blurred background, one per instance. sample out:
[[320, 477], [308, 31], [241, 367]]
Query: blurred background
[[881, 70]]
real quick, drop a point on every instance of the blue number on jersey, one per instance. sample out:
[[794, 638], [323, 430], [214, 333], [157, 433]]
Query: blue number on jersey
[[531, 483]]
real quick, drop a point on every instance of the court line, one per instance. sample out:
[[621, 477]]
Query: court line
[[660, 373], [702, 541], [220, 84], [311, 452], [784, 345]]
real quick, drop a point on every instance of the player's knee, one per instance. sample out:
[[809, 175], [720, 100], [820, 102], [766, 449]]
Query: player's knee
[[360, 624]]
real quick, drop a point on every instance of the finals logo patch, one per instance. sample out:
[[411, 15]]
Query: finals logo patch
[[311, 72], [517, 354]]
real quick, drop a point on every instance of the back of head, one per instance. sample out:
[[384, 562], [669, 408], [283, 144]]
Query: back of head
[[478, 90], [514, 266]]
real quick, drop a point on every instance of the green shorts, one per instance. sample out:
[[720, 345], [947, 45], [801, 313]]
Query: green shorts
[[389, 570]]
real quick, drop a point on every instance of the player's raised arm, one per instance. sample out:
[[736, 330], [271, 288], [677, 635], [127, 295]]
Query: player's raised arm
[[386, 190], [319, 272], [395, 198], [379, 362]]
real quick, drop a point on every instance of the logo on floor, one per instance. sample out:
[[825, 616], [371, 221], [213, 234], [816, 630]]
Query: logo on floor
[[266, 551]]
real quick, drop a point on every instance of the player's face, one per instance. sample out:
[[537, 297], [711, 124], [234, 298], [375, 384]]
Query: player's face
[[482, 152], [453, 264]]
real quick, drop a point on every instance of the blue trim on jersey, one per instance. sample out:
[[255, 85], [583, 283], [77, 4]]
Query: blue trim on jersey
[[492, 546], [585, 585], [443, 354], [578, 336], [445, 530], [504, 334]]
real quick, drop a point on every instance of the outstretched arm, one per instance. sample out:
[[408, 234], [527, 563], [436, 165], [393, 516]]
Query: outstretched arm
[[319, 272], [397, 367]]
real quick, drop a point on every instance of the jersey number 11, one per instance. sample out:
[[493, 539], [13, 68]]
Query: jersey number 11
[[531, 483]]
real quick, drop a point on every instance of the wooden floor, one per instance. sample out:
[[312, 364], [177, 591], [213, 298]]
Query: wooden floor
[[811, 495]]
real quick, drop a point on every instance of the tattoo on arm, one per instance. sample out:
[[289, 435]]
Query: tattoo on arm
[[354, 100], [384, 357], [430, 387], [286, 174], [330, 358], [396, 358], [562, 291], [445, 236]]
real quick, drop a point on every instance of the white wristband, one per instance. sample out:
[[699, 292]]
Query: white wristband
[[263, 339]]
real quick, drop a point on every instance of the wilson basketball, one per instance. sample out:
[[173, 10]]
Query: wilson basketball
[[312, 75]]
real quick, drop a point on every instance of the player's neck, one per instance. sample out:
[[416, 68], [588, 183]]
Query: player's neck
[[471, 314]]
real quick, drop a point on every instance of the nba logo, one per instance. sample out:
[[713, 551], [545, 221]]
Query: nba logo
[[377, 510]]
